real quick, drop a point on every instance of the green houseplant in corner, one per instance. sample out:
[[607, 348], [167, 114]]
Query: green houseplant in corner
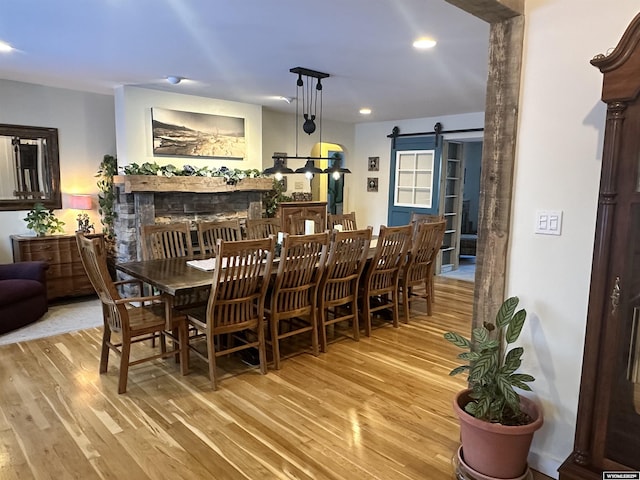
[[496, 424], [107, 207], [43, 221]]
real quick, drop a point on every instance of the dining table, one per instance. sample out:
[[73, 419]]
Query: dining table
[[174, 277]]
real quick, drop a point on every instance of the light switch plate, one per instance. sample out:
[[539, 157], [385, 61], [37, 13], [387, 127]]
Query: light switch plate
[[548, 222]]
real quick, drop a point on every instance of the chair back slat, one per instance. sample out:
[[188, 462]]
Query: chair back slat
[[94, 260], [347, 220], [419, 269], [297, 223], [263, 227], [427, 240], [240, 281], [170, 240], [302, 261], [210, 232], [345, 263], [383, 273]]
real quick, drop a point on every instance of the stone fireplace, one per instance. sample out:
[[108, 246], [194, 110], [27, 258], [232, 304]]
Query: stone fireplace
[[146, 200]]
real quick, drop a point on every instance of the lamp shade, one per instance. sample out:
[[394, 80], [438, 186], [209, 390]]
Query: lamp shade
[[81, 202], [278, 167], [309, 167]]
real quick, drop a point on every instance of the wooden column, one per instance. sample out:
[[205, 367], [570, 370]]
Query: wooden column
[[498, 153]]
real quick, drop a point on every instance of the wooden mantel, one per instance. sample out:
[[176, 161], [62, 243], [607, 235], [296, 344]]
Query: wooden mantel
[[152, 183]]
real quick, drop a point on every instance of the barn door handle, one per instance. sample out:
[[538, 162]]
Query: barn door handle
[[615, 296]]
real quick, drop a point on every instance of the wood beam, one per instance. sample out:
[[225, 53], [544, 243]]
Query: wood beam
[[491, 11], [498, 158]]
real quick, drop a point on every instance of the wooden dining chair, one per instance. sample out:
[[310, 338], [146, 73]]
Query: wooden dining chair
[[418, 218], [210, 232], [236, 301], [263, 227], [338, 288], [418, 270], [135, 318], [297, 223], [171, 240], [168, 240], [347, 220], [294, 293], [380, 285]]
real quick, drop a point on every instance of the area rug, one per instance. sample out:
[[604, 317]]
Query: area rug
[[466, 270], [62, 317]]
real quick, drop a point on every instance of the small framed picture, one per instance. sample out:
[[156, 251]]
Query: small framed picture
[[374, 164], [372, 184]]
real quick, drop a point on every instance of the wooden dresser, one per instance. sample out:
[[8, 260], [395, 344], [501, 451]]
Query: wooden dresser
[[65, 276]]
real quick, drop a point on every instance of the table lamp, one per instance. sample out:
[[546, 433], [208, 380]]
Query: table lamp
[[82, 202]]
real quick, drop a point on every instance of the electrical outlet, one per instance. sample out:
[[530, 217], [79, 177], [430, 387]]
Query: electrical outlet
[[298, 185]]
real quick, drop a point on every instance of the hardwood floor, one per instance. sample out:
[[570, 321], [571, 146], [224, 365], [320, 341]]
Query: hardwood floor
[[375, 409]]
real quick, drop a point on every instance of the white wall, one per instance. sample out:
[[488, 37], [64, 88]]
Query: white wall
[[86, 132], [558, 167], [134, 133], [371, 141]]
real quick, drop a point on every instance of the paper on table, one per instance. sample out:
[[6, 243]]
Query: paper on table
[[207, 264], [309, 227]]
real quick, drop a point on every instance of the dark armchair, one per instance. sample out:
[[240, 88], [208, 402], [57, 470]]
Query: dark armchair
[[23, 294]]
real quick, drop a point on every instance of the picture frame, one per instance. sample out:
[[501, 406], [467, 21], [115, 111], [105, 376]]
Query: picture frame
[[373, 164], [190, 134], [372, 184]]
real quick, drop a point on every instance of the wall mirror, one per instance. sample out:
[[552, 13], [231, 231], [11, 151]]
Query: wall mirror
[[29, 167]]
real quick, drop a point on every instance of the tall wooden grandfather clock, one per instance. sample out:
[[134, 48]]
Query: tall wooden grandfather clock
[[608, 424]]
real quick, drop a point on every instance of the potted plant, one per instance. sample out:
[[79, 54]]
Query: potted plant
[[496, 424], [107, 208], [43, 221], [272, 198]]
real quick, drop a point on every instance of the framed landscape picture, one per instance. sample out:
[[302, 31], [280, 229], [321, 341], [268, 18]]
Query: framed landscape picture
[[190, 134]]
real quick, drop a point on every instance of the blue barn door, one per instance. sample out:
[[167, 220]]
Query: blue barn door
[[414, 178]]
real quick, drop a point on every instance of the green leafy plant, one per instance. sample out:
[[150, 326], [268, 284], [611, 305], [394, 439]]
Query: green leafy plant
[[491, 369], [107, 196], [43, 221], [273, 197], [231, 176], [106, 201]]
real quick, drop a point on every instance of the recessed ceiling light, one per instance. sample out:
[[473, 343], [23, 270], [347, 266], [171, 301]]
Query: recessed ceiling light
[[424, 43], [365, 111], [5, 47], [173, 80]]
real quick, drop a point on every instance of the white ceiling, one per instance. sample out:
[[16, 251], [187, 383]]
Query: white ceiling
[[242, 50]]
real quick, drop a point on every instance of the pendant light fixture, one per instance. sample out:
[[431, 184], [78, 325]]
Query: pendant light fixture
[[279, 168], [309, 107], [336, 169]]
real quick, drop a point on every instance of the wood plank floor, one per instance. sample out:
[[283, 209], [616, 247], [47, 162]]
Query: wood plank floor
[[375, 409]]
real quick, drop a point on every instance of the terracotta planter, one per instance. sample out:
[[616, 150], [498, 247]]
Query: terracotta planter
[[493, 449], [465, 472]]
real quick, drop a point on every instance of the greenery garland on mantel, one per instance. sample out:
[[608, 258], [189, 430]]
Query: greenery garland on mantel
[[231, 176]]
